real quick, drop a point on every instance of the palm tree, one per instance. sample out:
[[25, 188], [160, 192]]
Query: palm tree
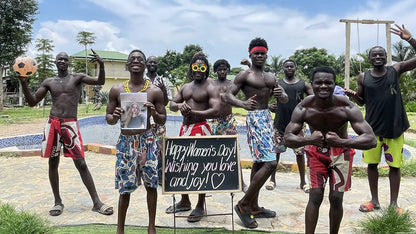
[[402, 52], [276, 65], [86, 38]]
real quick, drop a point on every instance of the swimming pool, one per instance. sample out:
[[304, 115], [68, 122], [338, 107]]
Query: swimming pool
[[96, 130]]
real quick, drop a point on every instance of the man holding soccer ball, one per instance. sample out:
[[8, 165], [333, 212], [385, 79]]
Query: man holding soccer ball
[[61, 128]]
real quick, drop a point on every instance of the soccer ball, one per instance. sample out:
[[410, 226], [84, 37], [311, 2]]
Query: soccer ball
[[25, 66]]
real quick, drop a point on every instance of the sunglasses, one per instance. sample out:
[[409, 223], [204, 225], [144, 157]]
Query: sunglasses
[[139, 59], [199, 67]]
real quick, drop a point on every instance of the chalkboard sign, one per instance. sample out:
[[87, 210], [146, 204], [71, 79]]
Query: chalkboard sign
[[200, 164]]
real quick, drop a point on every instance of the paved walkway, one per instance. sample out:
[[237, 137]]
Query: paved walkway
[[25, 185]]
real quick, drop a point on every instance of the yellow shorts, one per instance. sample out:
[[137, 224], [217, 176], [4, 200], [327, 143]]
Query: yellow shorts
[[393, 151]]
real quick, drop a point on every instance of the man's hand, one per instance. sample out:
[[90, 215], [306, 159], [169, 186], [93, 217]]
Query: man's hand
[[333, 139], [349, 92], [95, 58], [273, 107], [317, 138], [279, 93], [245, 62], [401, 31], [22, 79], [185, 109], [151, 108], [162, 87], [251, 103], [117, 113]]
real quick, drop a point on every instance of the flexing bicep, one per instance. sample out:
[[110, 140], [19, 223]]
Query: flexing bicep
[[296, 121], [366, 138], [358, 124], [237, 82], [177, 100]]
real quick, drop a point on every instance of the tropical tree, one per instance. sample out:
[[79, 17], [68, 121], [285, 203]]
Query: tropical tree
[[276, 65], [401, 52], [174, 65], [189, 51], [86, 38], [168, 62], [44, 58], [308, 59], [16, 23]]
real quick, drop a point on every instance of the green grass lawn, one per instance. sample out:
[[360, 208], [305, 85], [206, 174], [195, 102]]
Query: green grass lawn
[[104, 229]]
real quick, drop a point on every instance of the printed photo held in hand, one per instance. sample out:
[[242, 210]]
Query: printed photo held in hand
[[135, 116]]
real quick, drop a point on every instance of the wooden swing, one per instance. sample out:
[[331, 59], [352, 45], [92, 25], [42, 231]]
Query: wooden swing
[[348, 37]]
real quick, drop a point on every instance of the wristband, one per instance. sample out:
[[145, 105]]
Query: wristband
[[408, 40]]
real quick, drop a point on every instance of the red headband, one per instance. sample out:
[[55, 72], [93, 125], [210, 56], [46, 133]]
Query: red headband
[[258, 48]]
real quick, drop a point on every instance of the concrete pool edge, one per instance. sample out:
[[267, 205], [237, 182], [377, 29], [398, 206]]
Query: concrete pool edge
[[111, 150]]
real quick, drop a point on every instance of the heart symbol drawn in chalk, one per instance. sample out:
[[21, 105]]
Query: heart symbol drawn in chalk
[[217, 179]]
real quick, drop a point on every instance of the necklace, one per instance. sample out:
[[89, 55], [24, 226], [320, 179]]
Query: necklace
[[126, 86]]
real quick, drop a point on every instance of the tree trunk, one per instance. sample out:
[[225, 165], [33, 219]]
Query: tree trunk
[[1, 89]]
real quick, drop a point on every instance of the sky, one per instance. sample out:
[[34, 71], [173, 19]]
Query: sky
[[222, 28]]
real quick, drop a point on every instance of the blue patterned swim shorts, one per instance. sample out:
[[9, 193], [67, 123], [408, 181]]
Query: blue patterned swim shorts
[[260, 136], [136, 161]]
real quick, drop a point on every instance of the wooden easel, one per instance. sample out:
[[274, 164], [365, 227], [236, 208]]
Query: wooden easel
[[205, 215]]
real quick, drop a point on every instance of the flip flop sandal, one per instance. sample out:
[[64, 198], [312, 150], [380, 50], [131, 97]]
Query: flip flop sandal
[[247, 219], [271, 185], [196, 215], [399, 211], [177, 208], [104, 209], [306, 188], [265, 213], [56, 210], [368, 207]]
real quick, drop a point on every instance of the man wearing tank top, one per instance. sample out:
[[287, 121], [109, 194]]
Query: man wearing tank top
[[379, 90], [295, 89]]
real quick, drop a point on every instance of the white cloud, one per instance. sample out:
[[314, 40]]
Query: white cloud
[[224, 30]]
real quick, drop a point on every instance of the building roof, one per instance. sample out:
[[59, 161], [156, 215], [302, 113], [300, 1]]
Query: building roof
[[105, 55]]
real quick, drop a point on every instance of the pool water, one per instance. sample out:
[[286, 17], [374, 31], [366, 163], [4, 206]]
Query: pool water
[[96, 130]]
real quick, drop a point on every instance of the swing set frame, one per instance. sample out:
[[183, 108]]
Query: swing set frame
[[348, 39]]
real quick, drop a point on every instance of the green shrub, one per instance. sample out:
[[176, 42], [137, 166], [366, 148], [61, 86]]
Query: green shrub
[[104, 97], [388, 221], [21, 222], [410, 106]]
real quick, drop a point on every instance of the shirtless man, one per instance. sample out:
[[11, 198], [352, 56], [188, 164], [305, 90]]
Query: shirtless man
[[136, 148], [258, 86], [328, 149], [196, 101], [61, 128], [225, 124]]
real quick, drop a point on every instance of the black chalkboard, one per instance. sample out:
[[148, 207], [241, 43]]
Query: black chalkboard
[[201, 164]]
